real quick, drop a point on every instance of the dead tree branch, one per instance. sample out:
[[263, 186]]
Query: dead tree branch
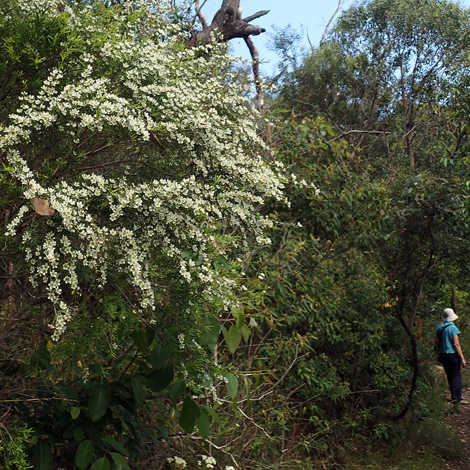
[[227, 24], [258, 100], [199, 14]]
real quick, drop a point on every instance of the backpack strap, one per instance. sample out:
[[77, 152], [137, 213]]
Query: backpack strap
[[440, 335]]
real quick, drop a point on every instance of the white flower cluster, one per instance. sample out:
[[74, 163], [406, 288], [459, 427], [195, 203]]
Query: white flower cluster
[[208, 462], [35, 7], [177, 462], [187, 162]]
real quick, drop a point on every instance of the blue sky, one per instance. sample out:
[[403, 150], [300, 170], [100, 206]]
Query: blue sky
[[310, 16]]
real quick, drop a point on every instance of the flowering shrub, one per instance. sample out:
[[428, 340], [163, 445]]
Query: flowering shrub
[[143, 149], [145, 159]]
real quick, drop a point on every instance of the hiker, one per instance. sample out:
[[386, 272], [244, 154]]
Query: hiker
[[450, 354]]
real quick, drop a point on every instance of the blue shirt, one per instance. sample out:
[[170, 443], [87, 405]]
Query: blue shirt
[[446, 344]]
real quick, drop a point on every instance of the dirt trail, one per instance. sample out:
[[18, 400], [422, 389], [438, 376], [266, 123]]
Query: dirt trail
[[461, 421]]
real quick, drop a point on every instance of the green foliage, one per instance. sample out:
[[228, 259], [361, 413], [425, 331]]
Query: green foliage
[[330, 297], [112, 408], [14, 443], [385, 76], [327, 368], [289, 354]]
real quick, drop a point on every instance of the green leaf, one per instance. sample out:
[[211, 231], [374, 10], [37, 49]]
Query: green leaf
[[238, 314], [221, 260], [116, 445], [74, 412], [143, 339], [210, 411], [189, 414], [163, 429], [42, 456], [69, 431], [41, 358], [177, 390], [245, 331], [78, 434], [138, 390], [203, 424], [101, 464], [159, 356], [120, 461], [237, 309], [84, 454], [210, 331], [248, 385], [233, 338], [232, 385], [99, 402], [161, 378]]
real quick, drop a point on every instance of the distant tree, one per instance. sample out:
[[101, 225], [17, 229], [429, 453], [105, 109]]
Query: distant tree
[[384, 76]]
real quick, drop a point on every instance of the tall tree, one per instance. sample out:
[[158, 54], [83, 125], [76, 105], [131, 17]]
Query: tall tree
[[389, 78], [384, 76]]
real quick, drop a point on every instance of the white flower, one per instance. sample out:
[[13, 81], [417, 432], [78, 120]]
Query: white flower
[[177, 461], [124, 223]]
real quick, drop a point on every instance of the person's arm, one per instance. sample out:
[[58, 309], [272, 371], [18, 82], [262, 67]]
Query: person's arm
[[456, 343]]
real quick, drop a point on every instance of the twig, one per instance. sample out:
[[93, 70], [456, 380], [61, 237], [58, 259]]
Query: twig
[[358, 131], [102, 165], [309, 42], [17, 400], [256, 15], [220, 449], [254, 422]]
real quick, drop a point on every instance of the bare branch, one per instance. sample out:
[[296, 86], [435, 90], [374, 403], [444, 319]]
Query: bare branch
[[261, 13], [258, 100], [200, 15], [227, 24], [309, 42], [340, 5]]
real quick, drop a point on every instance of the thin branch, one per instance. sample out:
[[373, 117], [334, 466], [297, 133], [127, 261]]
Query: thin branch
[[340, 5], [259, 14], [103, 165], [309, 42], [255, 423], [358, 131], [258, 100], [200, 15], [220, 449]]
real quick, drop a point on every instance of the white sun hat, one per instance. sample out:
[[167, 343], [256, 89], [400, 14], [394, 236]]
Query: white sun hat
[[449, 315]]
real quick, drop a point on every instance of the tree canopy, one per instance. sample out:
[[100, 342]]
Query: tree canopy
[[385, 76]]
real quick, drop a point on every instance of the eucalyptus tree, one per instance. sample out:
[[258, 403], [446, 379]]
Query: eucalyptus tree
[[385, 77], [390, 77]]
